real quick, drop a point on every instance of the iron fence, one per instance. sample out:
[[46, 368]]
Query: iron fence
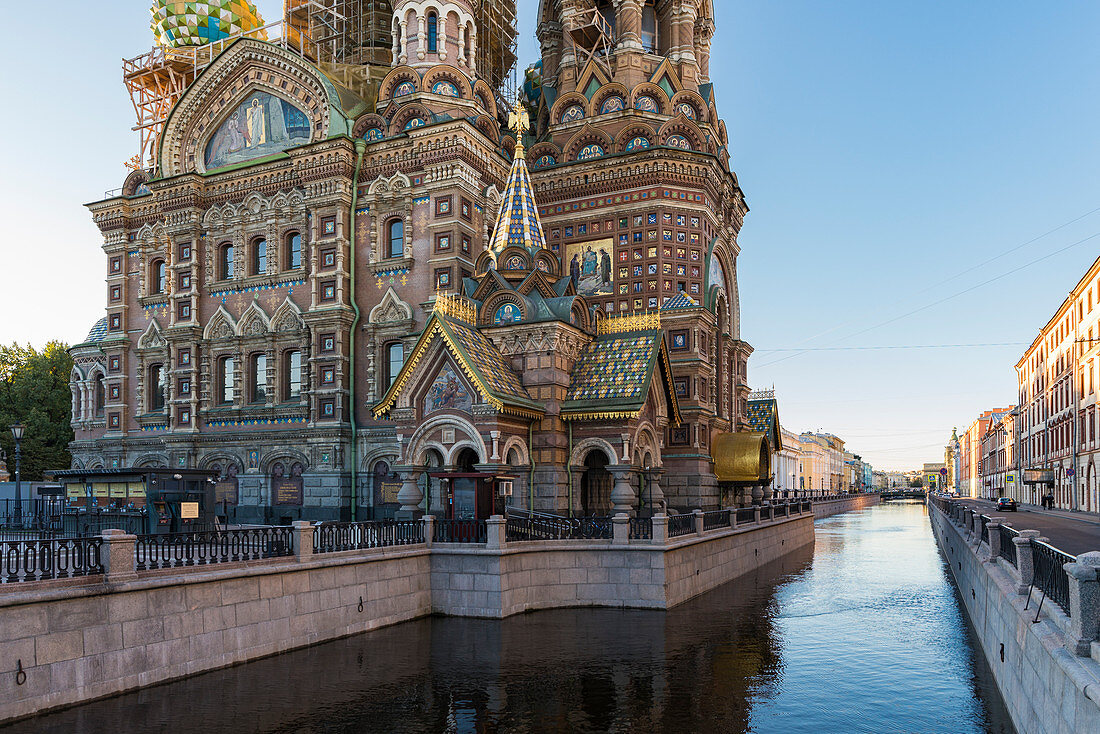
[[173, 550], [1050, 577], [641, 528], [984, 520], [681, 525], [331, 537], [39, 560], [780, 511], [1008, 548], [460, 531], [716, 519]]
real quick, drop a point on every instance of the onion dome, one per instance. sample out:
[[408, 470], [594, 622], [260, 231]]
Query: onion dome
[[176, 23]]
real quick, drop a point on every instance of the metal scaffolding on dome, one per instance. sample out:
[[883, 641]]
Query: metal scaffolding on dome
[[497, 51]]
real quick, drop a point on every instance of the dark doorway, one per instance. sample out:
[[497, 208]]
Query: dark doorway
[[471, 496], [596, 485]]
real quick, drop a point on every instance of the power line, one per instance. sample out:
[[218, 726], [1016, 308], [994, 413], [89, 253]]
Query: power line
[[896, 346]]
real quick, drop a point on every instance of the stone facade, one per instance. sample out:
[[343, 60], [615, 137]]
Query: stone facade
[[259, 308]]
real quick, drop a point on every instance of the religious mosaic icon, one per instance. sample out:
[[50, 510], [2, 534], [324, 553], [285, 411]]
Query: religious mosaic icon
[[589, 266], [260, 125], [448, 393]]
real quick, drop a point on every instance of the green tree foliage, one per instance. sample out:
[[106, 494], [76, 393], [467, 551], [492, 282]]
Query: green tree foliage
[[34, 391]]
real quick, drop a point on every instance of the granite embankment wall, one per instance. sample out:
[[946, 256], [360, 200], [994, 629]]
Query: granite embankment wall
[[65, 642], [1048, 688], [830, 507]]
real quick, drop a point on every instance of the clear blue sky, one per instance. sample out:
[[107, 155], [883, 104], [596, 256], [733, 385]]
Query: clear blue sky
[[884, 147]]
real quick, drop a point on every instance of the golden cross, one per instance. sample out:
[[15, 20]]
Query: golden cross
[[519, 121]]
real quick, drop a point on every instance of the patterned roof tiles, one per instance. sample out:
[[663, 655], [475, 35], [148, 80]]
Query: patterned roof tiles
[[680, 301], [518, 222], [615, 368], [98, 332]]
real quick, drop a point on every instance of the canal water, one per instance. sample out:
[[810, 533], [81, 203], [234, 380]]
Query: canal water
[[863, 633]]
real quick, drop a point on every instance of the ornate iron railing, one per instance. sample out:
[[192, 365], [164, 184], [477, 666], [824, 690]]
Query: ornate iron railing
[[331, 537], [984, 520], [745, 515], [1008, 548], [173, 550], [716, 519], [641, 528], [1050, 577], [780, 511], [460, 531], [681, 525], [39, 560]]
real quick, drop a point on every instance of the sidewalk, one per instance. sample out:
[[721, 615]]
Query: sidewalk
[[1070, 532]]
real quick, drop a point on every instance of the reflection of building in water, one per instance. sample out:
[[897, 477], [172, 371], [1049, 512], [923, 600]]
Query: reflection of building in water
[[358, 259]]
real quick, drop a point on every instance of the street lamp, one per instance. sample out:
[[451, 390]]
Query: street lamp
[[17, 434]]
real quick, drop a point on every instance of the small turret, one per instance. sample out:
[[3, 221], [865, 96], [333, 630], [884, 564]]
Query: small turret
[[435, 32]]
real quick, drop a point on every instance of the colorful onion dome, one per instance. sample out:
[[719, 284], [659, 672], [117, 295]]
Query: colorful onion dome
[[176, 23]]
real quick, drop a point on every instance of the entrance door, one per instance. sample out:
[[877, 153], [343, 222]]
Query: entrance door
[[596, 485]]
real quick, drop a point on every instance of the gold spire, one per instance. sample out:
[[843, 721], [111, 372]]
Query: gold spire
[[519, 122]]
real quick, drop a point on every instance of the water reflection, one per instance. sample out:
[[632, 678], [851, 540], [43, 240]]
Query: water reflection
[[862, 634]]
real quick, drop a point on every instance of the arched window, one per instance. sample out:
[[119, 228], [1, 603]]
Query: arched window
[[158, 278], [257, 378], [292, 375], [395, 238], [259, 256], [433, 32], [225, 262], [226, 374], [293, 251], [155, 389], [649, 28], [395, 359], [100, 396]]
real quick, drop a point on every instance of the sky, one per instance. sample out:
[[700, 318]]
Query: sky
[[919, 175]]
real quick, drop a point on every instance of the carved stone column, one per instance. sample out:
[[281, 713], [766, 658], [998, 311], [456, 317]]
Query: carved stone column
[[623, 499], [628, 25], [410, 495]]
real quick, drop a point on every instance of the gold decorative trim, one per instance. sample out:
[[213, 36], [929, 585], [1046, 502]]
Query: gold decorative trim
[[631, 322], [601, 416], [457, 307]]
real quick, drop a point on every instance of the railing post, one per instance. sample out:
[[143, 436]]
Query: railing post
[[756, 514], [116, 554], [733, 516], [1025, 562], [1084, 603], [620, 529], [660, 529], [697, 518], [993, 527], [495, 529], [302, 533], [429, 529]]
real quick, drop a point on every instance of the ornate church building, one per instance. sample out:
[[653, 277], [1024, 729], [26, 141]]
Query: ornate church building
[[357, 279]]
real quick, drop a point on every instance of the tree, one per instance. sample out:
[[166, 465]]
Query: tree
[[34, 391]]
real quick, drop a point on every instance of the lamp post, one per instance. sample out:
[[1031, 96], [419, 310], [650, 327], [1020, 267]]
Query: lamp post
[[17, 434]]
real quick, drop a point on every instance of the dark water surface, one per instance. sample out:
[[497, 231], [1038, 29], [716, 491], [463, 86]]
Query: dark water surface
[[861, 634]]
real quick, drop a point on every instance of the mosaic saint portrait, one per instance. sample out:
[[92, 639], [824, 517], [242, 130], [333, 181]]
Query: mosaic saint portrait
[[448, 393], [261, 125], [589, 266]]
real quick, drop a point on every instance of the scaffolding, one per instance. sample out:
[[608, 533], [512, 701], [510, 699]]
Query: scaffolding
[[496, 46], [591, 37]]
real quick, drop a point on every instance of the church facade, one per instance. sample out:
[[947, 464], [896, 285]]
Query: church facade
[[357, 295]]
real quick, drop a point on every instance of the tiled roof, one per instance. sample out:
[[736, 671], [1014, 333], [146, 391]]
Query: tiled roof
[[497, 375], [518, 222], [98, 331], [680, 300], [763, 417], [615, 370]]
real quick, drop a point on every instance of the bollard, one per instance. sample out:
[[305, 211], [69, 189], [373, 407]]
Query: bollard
[[1084, 603], [495, 527], [117, 555], [302, 534], [733, 516], [620, 529], [697, 518]]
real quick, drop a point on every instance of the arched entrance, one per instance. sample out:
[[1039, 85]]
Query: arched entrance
[[596, 484], [470, 494]]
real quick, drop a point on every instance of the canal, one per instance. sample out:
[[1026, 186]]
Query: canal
[[861, 634]]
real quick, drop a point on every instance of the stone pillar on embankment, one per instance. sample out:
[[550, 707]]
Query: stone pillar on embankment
[[1046, 663]]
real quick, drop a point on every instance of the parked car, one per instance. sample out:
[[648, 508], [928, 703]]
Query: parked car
[[1006, 504]]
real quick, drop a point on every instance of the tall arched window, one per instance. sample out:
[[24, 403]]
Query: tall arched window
[[433, 32], [395, 359], [293, 251], [649, 27], [226, 375], [158, 278], [395, 246], [258, 378], [292, 375], [155, 389], [100, 396], [259, 256], [225, 262]]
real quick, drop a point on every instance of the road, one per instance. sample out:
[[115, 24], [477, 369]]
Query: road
[[1074, 535]]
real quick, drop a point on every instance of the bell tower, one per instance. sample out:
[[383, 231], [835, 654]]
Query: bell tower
[[435, 32]]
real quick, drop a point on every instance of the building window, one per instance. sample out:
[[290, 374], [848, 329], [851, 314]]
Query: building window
[[259, 256], [226, 375], [649, 28], [225, 262], [258, 379], [293, 251], [433, 32], [158, 276], [395, 238], [292, 375], [100, 396], [395, 359], [155, 388]]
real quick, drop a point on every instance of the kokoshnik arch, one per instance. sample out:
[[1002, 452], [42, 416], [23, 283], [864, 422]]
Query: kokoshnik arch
[[381, 277]]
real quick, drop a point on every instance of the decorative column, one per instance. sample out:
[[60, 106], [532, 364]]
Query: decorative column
[[421, 37], [628, 25], [441, 37], [623, 498], [403, 43], [410, 495], [1084, 603], [657, 502]]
